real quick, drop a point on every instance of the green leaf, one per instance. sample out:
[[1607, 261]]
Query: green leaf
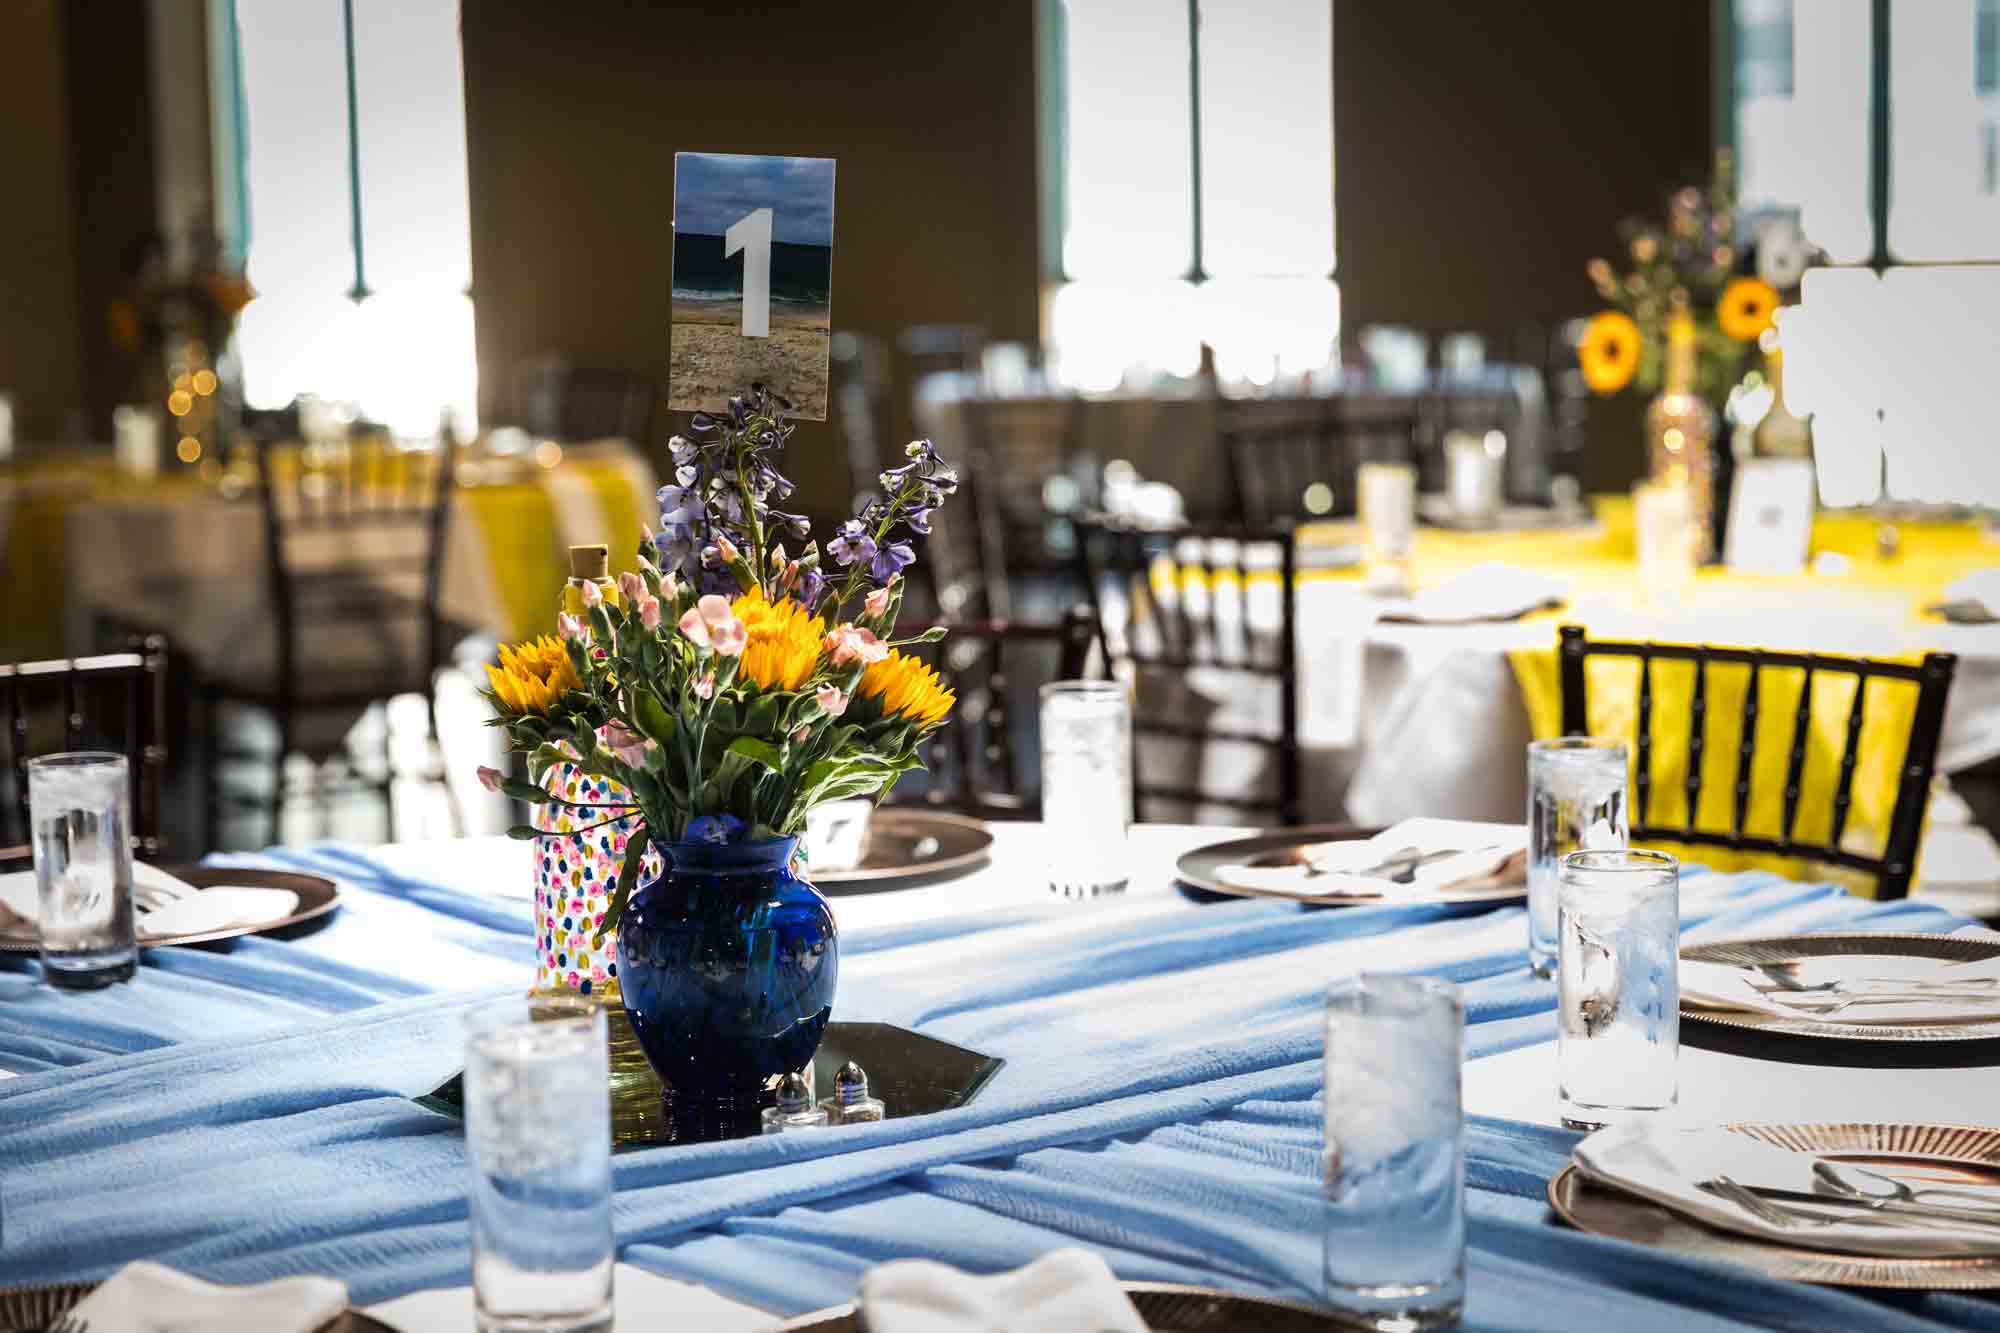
[[761, 719], [527, 791], [522, 833], [724, 716], [652, 716], [628, 875], [762, 752]]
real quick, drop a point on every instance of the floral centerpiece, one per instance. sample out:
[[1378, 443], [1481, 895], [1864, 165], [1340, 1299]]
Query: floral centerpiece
[[730, 686], [1691, 259]]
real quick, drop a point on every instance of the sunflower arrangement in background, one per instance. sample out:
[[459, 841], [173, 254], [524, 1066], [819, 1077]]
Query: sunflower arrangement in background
[[1698, 253]]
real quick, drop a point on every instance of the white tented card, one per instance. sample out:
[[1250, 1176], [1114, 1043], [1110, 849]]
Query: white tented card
[[753, 280], [1770, 515]]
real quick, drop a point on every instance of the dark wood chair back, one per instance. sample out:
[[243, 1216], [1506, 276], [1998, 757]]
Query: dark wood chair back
[[113, 702], [1294, 458], [974, 760], [1893, 867], [1155, 594], [355, 533]]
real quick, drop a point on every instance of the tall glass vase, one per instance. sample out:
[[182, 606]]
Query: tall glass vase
[[576, 869]]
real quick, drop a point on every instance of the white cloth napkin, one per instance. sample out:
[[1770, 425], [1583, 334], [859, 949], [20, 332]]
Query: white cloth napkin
[[1721, 986], [1328, 869], [1490, 591], [195, 910], [1666, 1165], [1064, 1291], [147, 1298]]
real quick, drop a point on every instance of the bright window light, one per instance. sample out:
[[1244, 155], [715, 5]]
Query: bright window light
[[1802, 117], [1944, 168], [404, 353]]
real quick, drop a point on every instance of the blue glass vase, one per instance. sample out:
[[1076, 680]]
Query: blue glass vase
[[727, 963]]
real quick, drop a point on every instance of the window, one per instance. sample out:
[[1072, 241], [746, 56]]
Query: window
[[1878, 126], [1192, 178], [1816, 85], [358, 241]]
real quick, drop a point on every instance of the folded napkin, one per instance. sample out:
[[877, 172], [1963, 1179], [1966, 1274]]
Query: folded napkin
[[1064, 1291], [1453, 854], [194, 911], [145, 1297], [644, 1303], [1490, 591], [1666, 1165], [1721, 986]]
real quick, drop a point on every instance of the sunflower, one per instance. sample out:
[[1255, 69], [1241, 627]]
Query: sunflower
[[1746, 308], [1609, 352], [784, 642], [532, 676], [904, 685]]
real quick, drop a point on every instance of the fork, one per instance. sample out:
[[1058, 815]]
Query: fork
[[1782, 981]]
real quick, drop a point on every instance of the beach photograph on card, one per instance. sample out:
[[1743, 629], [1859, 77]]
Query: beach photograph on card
[[753, 279]]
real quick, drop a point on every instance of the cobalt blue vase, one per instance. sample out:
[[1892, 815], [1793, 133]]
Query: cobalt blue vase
[[727, 963]]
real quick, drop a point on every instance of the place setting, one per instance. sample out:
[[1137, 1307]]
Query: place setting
[[1418, 861]]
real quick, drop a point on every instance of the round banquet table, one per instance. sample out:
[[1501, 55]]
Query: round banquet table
[[244, 1111]]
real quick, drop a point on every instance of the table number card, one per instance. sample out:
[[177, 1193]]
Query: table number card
[[753, 279], [1770, 515]]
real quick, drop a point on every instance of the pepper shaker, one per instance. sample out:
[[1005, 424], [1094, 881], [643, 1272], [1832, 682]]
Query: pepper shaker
[[850, 1103]]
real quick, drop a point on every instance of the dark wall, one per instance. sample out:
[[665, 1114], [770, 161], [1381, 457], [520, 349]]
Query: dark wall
[[1484, 152], [574, 113], [40, 351]]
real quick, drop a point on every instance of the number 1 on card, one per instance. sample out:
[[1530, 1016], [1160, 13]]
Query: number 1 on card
[[751, 234]]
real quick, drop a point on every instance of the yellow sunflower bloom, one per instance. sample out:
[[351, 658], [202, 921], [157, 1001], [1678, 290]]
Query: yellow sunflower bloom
[[784, 642], [906, 687], [1609, 352], [533, 675], [1746, 308]]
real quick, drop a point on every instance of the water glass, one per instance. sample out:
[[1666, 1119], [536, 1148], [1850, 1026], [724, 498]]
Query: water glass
[[1394, 1168], [1386, 498], [1618, 1033], [1576, 802], [80, 806], [538, 1139], [1086, 785]]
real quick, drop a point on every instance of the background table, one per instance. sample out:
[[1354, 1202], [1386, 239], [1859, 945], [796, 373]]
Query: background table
[[243, 1112], [82, 540]]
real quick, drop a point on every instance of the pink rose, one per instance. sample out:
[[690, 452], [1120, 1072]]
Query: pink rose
[[848, 644], [592, 594], [790, 578], [572, 627], [876, 604], [649, 612], [670, 587], [491, 778], [631, 586], [705, 687], [832, 699], [710, 623]]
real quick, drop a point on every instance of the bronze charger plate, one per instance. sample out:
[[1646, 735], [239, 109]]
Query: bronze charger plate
[[1804, 948], [1164, 1307], [1202, 868], [1932, 1154], [317, 896], [908, 848], [33, 1309]]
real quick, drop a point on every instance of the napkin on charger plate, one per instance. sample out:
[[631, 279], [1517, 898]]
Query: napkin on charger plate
[[1486, 592], [141, 1297], [1707, 985], [1068, 1289], [1666, 1165], [1469, 855], [191, 912]]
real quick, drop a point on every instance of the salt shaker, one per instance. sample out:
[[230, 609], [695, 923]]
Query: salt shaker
[[850, 1103], [795, 1109]]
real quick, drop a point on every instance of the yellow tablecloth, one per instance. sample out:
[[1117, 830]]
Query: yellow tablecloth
[[518, 531], [1600, 564]]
